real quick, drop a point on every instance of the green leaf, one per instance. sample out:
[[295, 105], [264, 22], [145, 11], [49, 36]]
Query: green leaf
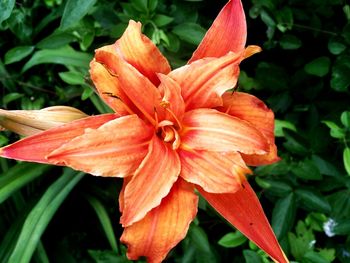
[[251, 256], [3, 140], [340, 203], [5, 78], [306, 170], [345, 118], [335, 46], [284, 19], [346, 159], [342, 227], [9, 240], [6, 7], [105, 221], [17, 53], [74, 11], [56, 40], [152, 5], [316, 221], [267, 19], [41, 214], [72, 77], [313, 257], [246, 82], [190, 32], [283, 215], [328, 254], [274, 186], [65, 56], [336, 131], [282, 124], [318, 67], [162, 20], [290, 42], [295, 142], [140, 5], [232, 239], [199, 238], [340, 77], [313, 201], [11, 97], [324, 166], [87, 92], [346, 9], [301, 242], [18, 176]]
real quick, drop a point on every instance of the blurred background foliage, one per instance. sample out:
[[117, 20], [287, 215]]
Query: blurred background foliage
[[51, 214]]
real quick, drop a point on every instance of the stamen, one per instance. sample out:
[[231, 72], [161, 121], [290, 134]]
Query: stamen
[[165, 104], [156, 118], [164, 123], [177, 141], [169, 134]]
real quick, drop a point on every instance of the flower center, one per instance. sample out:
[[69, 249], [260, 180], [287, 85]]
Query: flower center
[[168, 133], [167, 129]]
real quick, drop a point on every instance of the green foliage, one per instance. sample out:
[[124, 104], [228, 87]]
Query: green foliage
[[302, 74]]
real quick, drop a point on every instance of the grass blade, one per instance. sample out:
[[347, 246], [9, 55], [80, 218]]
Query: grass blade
[[41, 214], [105, 221], [18, 176]]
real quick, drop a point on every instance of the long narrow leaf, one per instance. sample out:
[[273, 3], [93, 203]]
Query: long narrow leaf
[[18, 176], [104, 220], [41, 214], [66, 56]]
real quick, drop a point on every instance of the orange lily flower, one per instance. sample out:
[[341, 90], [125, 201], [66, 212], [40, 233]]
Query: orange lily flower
[[173, 132]]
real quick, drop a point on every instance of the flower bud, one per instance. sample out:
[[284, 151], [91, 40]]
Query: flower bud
[[30, 122]]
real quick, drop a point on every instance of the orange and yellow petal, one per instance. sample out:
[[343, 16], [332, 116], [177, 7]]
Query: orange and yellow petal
[[243, 210], [172, 100], [211, 130], [35, 148], [215, 172], [138, 88], [227, 33], [108, 87], [151, 182], [251, 109], [205, 80], [114, 149], [164, 226], [138, 50]]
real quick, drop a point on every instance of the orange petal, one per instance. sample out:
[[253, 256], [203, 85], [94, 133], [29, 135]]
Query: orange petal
[[227, 33], [211, 130], [249, 108], [35, 148], [114, 149], [138, 88], [151, 182], [126, 180], [172, 100], [215, 172], [139, 51], [164, 226], [243, 210], [108, 87], [204, 81]]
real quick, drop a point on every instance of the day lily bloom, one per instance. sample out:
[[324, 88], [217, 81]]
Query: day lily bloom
[[173, 134]]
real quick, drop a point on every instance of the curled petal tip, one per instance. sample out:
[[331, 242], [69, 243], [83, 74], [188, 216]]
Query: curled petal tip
[[251, 50]]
